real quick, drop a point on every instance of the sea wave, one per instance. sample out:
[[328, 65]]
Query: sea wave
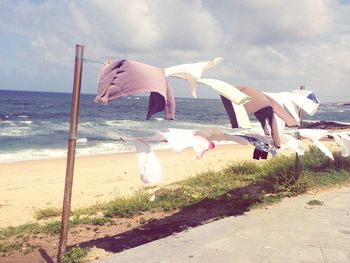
[[31, 154], [22, 116], [15, 132]]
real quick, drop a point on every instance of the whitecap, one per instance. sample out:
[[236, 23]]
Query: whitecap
[[15, 132], [86, 124], [32, 154], [82, 141], [26, 122], [22, 116], [104, 148], [112, 123]]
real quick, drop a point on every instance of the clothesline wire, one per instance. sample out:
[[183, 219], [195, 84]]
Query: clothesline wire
[[86, 60]]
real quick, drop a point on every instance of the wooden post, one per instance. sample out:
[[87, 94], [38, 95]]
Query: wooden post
[[297, 166], [79, 54]]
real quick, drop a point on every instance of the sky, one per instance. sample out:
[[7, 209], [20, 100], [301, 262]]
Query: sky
[[272, 45]]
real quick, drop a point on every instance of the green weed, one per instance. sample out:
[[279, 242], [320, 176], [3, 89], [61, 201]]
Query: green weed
[[315, 202], [129, 206], [47, 213], [75, 255]]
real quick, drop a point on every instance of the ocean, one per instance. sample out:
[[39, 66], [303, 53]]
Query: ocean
[[35, 125]]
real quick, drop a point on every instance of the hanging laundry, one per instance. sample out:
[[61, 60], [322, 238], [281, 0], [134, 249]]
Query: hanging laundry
[[291, 142], [315, 135], [263, 108], [225, 89], [237, 114], [262, 143], [343, 140], [262, 146], [180, 139], [122, 78], [232, 98], [201, 145], [293, 102], [214, 134], [191, 72], [310, 94], [148, 163]]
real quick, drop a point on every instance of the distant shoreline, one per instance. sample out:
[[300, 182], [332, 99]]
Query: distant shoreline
[[326, 125]]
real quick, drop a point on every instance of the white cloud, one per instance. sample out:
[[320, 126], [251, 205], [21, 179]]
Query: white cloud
[[273, 21], [271, 44]]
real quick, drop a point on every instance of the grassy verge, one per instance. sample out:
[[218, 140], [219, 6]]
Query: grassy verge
[[244, 184]]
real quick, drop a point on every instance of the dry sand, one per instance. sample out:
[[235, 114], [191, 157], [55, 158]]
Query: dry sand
[[31, 185]]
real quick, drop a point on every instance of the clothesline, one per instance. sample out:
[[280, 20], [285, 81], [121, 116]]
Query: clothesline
[[93, 61]]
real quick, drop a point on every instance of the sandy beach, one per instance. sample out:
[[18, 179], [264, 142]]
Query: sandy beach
[[31, 185]]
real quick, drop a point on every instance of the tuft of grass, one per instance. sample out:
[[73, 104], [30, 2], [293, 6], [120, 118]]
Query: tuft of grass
[[279, 176], [50, 228], [129, 206], [95, 221], [45, 213], [315, 160], [91, 210], [315, 202], [242, 168], [171, 199], [10, 247], [75, 255], [23, 247]]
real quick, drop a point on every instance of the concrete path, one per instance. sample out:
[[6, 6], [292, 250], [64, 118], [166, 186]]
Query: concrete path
[[291, 231]]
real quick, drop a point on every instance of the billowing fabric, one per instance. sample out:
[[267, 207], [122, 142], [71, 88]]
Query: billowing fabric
[[263, 107], [304, 103], [148, 163], [261, 145], [315, 135], [201, 145], [258, 154], [282, 113], [237, 114], [294, 144], [225, 89], [308, 94], [180, 139], [191, 72], [293, 102], [343, 140], [279, 99], [122, 78], [213, 134]]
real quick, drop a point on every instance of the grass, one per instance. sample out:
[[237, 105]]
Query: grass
[[23, 247], [75, 255], [50, 228], [50, 212], [243, 184], [315, 202]]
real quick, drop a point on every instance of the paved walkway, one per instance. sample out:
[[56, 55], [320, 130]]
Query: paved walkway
[[291, 231]]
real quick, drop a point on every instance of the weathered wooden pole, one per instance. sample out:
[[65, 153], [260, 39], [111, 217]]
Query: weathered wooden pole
[[78, 70], [297, 157]]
